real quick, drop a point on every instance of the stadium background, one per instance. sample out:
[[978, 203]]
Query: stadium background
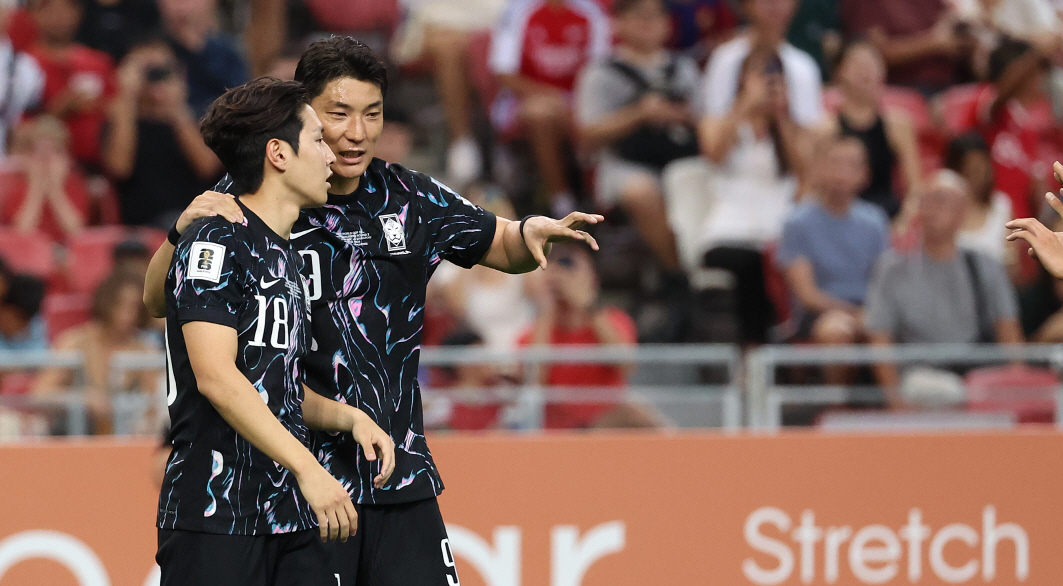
[[708, 353]]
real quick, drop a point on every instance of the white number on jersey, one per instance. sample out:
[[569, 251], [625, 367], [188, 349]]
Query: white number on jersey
[[279, 337]]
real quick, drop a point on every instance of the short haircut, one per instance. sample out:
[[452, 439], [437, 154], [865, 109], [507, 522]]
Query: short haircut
[[338, 57], [240, 123], [1006, 52], [25, 293], [961, 146], [622, 7]]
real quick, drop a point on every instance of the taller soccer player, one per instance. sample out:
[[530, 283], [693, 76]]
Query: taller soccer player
[[368, 254]]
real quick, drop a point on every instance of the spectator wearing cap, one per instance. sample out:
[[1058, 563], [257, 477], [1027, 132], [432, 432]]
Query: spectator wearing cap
[[152, 146], [939, 293], [635, 108], [537, 51], [79, 81], [21, 79]]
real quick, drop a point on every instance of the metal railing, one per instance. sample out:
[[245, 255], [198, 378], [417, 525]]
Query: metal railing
[[766, 396]]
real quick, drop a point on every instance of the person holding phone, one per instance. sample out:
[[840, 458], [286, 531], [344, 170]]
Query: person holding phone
[[152, 148]]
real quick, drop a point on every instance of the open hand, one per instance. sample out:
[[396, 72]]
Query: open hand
[[336, 515], [210, 203], [540, 231], [1045, 245]]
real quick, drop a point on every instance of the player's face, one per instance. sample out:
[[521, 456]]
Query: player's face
[[309, 172], [352, 113]]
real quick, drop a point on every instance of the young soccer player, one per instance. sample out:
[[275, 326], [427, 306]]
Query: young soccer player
[[242, 495], [368, 255]]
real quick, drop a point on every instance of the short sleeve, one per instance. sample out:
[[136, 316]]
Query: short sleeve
[[794, 244], [881, 313], [206, 277], [462, 232]]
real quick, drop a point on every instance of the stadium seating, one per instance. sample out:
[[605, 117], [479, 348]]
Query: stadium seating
[[1028, 393], [90, 259], [32, 253]]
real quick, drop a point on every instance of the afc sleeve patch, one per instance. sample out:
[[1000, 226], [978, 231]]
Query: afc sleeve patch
[[205, 260]]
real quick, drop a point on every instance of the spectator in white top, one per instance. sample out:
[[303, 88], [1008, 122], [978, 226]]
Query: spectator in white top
[[537, 51], [21, 80], [635, 108], [769, 21], [990, 208]]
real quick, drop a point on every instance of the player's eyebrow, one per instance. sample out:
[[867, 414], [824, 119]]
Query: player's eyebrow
[[376, 104], [340, 105]]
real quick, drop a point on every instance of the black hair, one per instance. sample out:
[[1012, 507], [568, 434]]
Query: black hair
[[240, 123], [463, 336], [337, 57], [25, 293], [960, 147], [130, 249], [1004, 54]]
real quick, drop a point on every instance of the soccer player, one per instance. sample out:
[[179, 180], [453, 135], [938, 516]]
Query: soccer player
[[368, 255], [242, 493]]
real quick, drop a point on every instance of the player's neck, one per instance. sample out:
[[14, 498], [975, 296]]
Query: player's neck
[[343, 185], [275, 206]]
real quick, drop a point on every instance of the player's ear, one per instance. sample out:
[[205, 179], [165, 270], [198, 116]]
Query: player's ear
[[278, 153]]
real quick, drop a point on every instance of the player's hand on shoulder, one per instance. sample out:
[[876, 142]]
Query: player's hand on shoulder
[[210, 203], [540, 231], [376, 445], [336, 516]]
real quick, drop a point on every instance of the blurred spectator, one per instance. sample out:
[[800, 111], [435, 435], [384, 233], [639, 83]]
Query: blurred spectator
[[537, 52], [1051, 331], [757, 152], [699, 26], [211, 60], [118, 321], [830, 245], [990, 209], [938, 293], [1034, 21], [152, 147], [887, 133], [45, 191], [396, 138], [441, 31], [110, 25], [469, 378], [569, 313], [492, 302], [131, 258], [1017, 72], [22, 327], [21, 79], [924, 43], [635, 107], [79, 81], [800, 77], [816, 30]]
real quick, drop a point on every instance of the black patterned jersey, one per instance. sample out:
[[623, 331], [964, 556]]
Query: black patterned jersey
[[367, 258], [246, 277]]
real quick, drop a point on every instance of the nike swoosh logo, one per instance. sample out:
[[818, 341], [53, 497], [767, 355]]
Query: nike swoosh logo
[[303, 233], [267, 284]]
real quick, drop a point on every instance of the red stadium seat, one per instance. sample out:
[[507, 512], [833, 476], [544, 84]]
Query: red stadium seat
[[89, 260], [65, 311], [1027, 392], [32, 253], [956, 108]]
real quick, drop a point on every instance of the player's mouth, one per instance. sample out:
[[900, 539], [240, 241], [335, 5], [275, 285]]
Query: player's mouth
[[352, 157]]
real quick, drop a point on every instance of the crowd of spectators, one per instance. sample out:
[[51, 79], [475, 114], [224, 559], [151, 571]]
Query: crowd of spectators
[[840, 171]]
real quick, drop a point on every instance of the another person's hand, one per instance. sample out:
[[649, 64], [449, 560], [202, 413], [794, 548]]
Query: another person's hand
[[336, 516], [540, 231], [375, 445], [210, 203], [131, 76]]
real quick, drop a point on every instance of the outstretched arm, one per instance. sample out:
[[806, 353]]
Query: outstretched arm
[[210, 203], [511, 252], [1045, 245]]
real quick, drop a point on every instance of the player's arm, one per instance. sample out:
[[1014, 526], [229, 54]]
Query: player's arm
[[210, 203], [512, 252], [324, 414], [212, 350]]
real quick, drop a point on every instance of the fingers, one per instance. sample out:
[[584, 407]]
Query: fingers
[[580, 219], [343, 515], [538, 254], [322, 525], [1057, 170], [590, 240], [333, 525], [1055, 203], [1021, 235], [388, 460], [1027, 224], [352, 515]]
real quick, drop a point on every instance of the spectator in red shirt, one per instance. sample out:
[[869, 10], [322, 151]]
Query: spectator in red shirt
[[537, 52], [45, 191], [570, 314], [79, 81]]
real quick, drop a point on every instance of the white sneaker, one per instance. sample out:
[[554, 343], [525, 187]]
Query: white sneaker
[[464, 161]]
